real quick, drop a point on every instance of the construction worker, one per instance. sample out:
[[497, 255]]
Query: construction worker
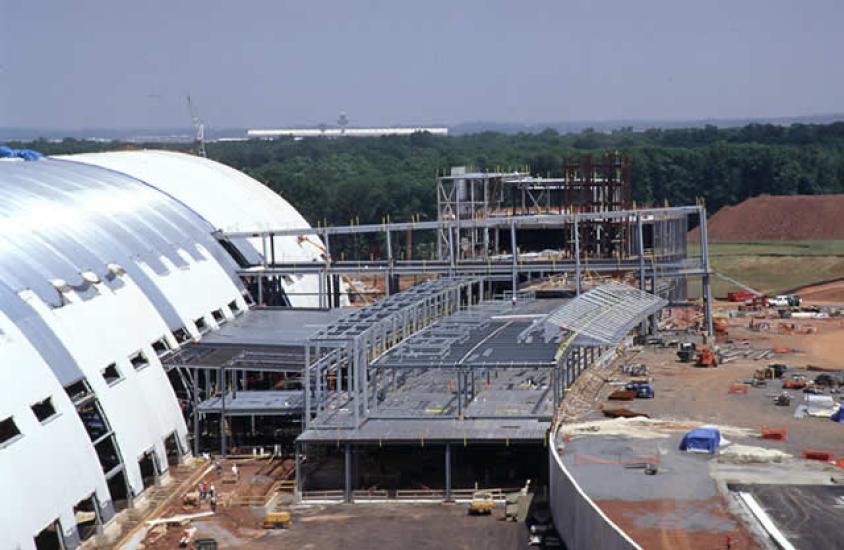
[[234, 471], [213, 502]]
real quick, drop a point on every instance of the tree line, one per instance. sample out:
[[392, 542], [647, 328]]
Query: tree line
[[363, 180]]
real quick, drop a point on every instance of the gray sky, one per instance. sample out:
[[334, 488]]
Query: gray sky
[[109, 63]]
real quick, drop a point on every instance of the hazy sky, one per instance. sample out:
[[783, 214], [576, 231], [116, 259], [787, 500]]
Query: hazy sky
[[113, 63]]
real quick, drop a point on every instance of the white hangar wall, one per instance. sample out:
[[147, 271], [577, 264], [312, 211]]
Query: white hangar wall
[[230, 201], [95, 267]]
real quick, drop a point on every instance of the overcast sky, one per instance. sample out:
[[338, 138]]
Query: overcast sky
[[117, 64]]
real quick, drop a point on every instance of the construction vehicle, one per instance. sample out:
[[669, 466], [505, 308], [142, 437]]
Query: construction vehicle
[[706, 357], [776, 370], [740, 296], [785, 300], [687, 352], [205, 544], [796, 382], [783, 399], [482, 503], [276, 520], [191, 498], [643, 389]]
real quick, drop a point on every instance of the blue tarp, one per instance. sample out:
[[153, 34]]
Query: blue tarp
[[838, 416], [25, 154], [701, 440]]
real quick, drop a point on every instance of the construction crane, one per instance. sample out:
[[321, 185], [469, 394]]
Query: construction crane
[[199, 129], [738, 284]]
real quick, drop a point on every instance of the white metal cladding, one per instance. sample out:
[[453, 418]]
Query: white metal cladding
[[230, 201], [95, 266], [603, 315], [52, 466]]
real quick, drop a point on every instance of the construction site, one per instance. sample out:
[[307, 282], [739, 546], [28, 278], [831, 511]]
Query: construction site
[[545, 364]]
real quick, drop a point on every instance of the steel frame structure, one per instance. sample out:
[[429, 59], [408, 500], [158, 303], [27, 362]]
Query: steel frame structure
[[337, 358], [587, 185], [658, 252], [412, 336]]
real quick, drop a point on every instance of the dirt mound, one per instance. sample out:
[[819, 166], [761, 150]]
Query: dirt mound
[[779, 218], [824, 293]]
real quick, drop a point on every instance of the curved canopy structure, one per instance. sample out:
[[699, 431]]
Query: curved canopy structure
[[604, 315]]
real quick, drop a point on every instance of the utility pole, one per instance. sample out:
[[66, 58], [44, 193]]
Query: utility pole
[[199, 129]]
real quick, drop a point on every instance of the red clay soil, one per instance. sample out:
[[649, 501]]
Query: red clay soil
[[779, 218], [825, 293], [628, 514]]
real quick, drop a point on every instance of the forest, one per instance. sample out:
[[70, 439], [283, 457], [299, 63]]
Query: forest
[[363, 180]]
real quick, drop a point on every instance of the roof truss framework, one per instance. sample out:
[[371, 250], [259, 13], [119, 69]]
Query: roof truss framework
[[602, 316]]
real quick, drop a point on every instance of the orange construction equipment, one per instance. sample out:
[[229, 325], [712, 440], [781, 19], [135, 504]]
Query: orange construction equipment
[[777, 434], [706, 357], [817, 454]]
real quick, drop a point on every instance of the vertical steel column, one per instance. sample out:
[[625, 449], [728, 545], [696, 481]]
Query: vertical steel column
[[264, 266], [195, 413], [318, 397], [356, 380], [307, 385], [448, 472], [364, 374], [515, 258], [459, 396], [223, 412], [707, 290], [388, 276], [297, 497], [450, 247], [576, 256], [347, 474], [641, 250]]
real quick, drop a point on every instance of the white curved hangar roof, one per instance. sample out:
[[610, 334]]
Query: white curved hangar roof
[[97, 272], [230, 201]]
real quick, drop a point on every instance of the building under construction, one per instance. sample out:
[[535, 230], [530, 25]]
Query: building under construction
[[586, 186], [241, 335]]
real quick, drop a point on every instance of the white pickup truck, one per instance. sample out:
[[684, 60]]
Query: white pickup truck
[[784, 300]]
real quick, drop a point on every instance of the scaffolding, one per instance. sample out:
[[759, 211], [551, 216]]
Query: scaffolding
[[587, 185]]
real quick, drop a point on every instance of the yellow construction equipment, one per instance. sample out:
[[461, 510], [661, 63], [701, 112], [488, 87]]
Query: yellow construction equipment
[[275, 520], [482, 503]]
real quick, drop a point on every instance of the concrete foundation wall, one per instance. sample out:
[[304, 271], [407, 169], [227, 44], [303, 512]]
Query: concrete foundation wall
[[581, 524]]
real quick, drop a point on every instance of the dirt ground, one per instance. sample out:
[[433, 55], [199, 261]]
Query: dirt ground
[[232, 525], [701, 396], [404, 526], [775, 218], [824, 294], [684, 391], [364, 526], [630, 515]]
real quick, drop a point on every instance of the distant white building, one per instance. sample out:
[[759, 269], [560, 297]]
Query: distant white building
[[345, 132]]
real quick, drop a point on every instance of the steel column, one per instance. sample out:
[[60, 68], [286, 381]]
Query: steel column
[[448, 472], [576, 257], [347, 474]]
